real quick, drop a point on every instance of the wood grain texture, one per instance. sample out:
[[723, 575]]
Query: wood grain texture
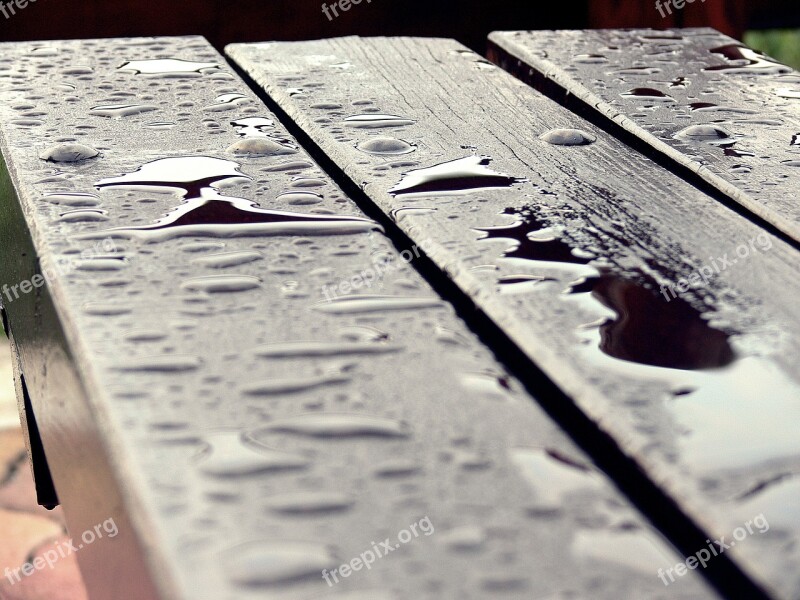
[[699, 97], [189, 380], [567, 249]]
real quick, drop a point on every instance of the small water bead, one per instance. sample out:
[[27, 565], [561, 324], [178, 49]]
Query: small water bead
[[309, 503], [228, 259], [648, 94], [118, 111], [68, 153], [568, 137], [300, 198], [336, 425], [83, 216], [323, 349], [385, 146], [376, 121], [231, 454], [218, 284], [253, 126], [292, 385], [167, 363], [72, 199], [366, 303], [261, 564], [226, 102]]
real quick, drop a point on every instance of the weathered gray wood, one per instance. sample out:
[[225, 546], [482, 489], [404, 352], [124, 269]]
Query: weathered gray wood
[[195, 382], [706, 101], [701, 389]]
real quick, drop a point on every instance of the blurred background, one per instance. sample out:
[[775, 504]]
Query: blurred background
[[769, 25]]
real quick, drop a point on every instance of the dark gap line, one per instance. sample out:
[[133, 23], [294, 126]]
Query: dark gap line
[[529, 75], [656, 506]]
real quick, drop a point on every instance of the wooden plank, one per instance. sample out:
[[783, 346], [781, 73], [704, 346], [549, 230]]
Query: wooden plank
[[704, 100], [574, 251], [193, 380]]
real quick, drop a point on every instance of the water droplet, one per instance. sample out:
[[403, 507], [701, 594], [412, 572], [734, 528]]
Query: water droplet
[[590, 59], [118, 111], [710, 134], [376, 121], [277, 563], [323, 349], [554, 476], [469, 538], [385, 146], [363, 304], [228, 259], [83, 216], [337, 425], [72, 199], [568, 137], [397, 468], [167, 66], [292, 385], [259, 147], [648, 94], [226, 102], [160, 125], [749, 61], [229, 454], [459, 176], [253, 126], [300, 198], [169, 363], [222, 283], [102, 309], [308, 503], [69, 153], [788, 93]]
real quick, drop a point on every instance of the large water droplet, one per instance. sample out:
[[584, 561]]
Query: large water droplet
[[385, 146], [568, 137], [118, 111], [229, 454], [336, 425], [275, 563], [459, 176], [746, 61], [222, 283], [166, 66], [68, 153]]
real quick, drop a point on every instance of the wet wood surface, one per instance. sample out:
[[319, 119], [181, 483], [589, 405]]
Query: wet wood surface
[[632, 290], [233, 362], [704, 100]]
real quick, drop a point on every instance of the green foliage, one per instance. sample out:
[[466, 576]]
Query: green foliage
[[781, 44]]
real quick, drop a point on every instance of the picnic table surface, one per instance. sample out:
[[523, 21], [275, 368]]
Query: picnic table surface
[[388, 284]]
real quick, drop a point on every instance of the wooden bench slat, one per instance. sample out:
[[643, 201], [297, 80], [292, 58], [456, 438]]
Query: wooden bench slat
[[191, 380], [571, 250], [704, 100]]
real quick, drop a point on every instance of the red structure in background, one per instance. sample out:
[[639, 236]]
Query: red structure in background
[[469, 21]]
